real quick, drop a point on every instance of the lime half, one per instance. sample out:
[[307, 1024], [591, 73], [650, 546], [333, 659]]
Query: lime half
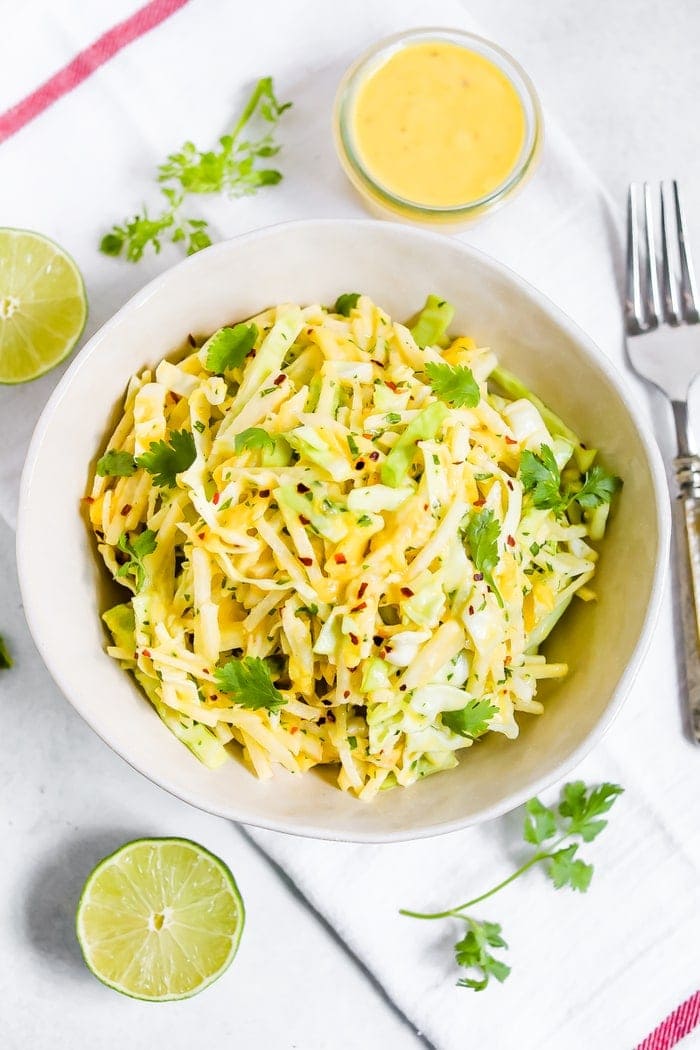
[[160, 919], [42, 305]]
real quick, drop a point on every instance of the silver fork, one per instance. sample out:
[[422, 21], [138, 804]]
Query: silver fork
[[663, 344]]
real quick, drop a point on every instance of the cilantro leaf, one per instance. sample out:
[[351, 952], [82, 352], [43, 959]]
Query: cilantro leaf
[[454, 384], [540, 822], [472, 720], [254, 437], [116, 464], [582, 807], [235, 168], [228, 347], [564, 869], [5, 658], [249, 684], [482, 534], [540, 475], [472, 952], [137, 549], [165, 461], [345, 303], [598, 487]]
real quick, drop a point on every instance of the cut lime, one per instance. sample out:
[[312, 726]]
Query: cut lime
[[160, 919], [42, 305]]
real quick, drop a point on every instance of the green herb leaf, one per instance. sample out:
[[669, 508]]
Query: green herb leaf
[[345, 303], [199, 426], [249, 684], [116, 464], [352, 445], [137, 549], [5, 658], [254, 437], [598, 487], [228, 347], [582, 807], [165, 461], [307, 610], [540, 822], [565, 870], [472, 952], [540, 475], [454, 384], [482, 534], [472, 720]]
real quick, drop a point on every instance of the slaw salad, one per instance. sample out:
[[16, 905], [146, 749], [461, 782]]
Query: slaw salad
[[344, 539]]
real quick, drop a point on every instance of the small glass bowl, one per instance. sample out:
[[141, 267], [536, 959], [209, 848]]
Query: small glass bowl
[[380, 197]]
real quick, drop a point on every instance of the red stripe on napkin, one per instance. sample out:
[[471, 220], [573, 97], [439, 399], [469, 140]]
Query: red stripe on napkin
[[676, 1026], [85, 63]]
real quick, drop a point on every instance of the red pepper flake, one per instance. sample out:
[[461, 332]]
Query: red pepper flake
[[471, 610], [374, 456], [479, 502], [511, 541], [294, 729], [426, 506], [353, 669], [407, 592], [368, 437], [280, 379], [191, 340], [214, 696], [346, 694], [509, 483], [354, 639], [201, 535], [264, 493], [303, 520], [362, 588], [302, 488], [510, 441], [146, 653], [507, 660], [327, 702], [330, 716], [206, 670], [392, 386], [360, 465], [374, 361], [306, 561], [478, 576], [378, 640], [402, 688], [88, 499], [340, 559], [382, 653], [215, 498], [320, 721], [359, 608], [126, 509]]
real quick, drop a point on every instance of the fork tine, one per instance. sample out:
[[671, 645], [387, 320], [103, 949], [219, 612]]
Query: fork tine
[[672, 309], [634, 309], [689, 290], [653, 302]]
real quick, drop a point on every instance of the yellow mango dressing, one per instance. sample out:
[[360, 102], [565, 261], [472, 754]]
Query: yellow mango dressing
[[431, 124]]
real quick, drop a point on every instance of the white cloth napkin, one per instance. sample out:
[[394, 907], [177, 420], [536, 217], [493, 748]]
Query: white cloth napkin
[[600, 970]]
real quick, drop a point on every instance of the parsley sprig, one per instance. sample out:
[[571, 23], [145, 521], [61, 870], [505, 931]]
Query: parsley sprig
[[541, 476], [556, 834], [237, 168]]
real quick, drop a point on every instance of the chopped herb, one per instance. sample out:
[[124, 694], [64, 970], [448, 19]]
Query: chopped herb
[[364, 519], [116, 464], [352, 445], [199, 426], [345, 303], [392, 418], [307, 610]]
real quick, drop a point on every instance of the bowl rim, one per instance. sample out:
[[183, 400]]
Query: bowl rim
[[32, 594]]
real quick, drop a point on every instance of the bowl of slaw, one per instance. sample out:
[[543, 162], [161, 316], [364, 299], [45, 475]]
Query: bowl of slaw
[[308, 262]]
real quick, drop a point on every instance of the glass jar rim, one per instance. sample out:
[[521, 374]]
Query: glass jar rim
[[373, 58]]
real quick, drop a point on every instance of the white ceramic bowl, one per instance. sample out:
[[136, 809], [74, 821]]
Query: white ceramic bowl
[[64, 587]]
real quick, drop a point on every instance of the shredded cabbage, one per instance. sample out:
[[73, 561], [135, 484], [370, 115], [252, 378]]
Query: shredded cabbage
[[322, 527]]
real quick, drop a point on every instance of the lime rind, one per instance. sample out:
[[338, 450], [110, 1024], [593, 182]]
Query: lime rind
[[158, 844], [38, 327]]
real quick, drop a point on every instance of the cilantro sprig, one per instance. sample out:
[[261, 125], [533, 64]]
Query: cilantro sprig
[[136, 549], [454, 384], [541, 476], [228, 347], [5, 658], [481, 533], [237, 168], [165, 460], [471, 720], [248, 682], [557, 834], [254, 437]]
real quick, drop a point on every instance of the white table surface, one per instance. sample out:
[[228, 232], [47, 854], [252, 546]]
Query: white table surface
[[622, 77]]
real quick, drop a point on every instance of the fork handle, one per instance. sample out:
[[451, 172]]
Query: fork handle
[[687, 529]]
